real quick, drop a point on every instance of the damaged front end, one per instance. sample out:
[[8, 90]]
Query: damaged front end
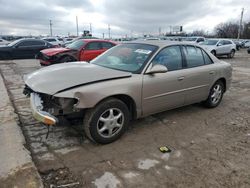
[[48, 109]]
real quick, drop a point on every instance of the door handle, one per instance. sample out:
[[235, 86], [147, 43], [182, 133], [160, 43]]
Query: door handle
[[181, 78], [211, 72]]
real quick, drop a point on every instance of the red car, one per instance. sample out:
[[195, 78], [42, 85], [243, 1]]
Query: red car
[[80, 50]]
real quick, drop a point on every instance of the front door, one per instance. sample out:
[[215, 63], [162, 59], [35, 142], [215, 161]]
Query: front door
[[162, 91], [91, 51]]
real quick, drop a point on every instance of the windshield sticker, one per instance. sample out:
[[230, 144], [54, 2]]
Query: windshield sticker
[[142, 51]]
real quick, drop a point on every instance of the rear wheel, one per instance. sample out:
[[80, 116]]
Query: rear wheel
[[107, 121], [231, 55], [215, 95], [213, 52]]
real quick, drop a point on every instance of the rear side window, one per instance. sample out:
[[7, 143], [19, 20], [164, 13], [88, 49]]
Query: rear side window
[[93, 46], [193, 56], [107, 45], [226, 42], [207, 59], [169, 57]]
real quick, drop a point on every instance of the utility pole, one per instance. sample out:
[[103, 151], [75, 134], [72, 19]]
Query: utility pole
[[77, 26], [103, 35], [90, 28], [50, 27], [159, 31], [240, 26], [109, 30]]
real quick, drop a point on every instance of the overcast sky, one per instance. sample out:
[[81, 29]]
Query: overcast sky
[[131, 17]]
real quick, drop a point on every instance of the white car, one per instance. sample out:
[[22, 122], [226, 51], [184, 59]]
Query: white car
[[194, 39], [4, 42], [247, 44], [220, 47], [54, 41]]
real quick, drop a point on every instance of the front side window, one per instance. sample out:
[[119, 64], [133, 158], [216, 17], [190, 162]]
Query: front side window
[[31, 43], [126, 57], [76, 45], [207, 59], [194, 57], [50, 40], [170, 57], [93, 46]]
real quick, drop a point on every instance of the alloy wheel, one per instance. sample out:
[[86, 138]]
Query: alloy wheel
[[110, 122]]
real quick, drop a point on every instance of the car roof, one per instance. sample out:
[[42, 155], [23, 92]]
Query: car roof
[[161, 43], [96, 40]]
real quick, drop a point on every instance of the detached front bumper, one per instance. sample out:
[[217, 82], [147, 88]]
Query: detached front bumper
[[37, 110]]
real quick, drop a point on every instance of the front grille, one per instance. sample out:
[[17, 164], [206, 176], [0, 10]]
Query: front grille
[[42, 56]]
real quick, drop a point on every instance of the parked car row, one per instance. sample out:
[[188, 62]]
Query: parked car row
[[79, 50], [49, 52]]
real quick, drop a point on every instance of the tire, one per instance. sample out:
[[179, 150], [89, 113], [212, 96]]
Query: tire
[[213, 52], [231, 55], [215, 95], [112, 112], [66, 59]]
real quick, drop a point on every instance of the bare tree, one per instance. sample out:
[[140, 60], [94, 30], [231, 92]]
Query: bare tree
[[198, 33], [227, 30], [246, 31]]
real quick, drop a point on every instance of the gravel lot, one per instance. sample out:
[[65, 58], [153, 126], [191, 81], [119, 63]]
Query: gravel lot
[[210, 147]]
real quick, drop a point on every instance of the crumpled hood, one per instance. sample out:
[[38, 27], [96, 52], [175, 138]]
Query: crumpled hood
[[55, 78], [54, 51]]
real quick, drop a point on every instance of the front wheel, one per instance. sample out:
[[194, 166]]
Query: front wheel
[[107, 121], [66, 59], [215, 95]]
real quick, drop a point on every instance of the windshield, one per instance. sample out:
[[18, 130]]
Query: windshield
[[210, 42], [126, 57], [14, 42], [190, 39], [76, 45]]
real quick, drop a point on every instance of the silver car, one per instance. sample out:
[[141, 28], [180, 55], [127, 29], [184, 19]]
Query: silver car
[[220, 47], [129, 81]]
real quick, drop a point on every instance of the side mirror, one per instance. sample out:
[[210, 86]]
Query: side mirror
[[219, 44], [157, 69]]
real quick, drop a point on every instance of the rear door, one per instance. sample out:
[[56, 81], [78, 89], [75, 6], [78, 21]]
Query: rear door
[[37, 47], [91, 50], [198, 74], [162, 91], [228, 46]]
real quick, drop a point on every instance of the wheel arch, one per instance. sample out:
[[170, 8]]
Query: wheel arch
[[223, 80], [67, 55], [128, 101]]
